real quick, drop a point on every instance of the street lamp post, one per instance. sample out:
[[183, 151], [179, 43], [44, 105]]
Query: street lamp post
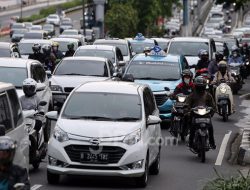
[[21, 13], [83, 17]]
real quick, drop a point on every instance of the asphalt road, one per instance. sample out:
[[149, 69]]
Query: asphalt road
[[180, 169]]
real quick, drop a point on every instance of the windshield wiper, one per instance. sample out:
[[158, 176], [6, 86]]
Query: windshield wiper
[[170, 79], [147, 78], [127, 119], [91, 118], [74, 74]]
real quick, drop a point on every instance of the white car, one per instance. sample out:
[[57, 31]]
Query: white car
[[15, 71], [73, 71], [98, 134], [63, 43], [53, 19], [72, 33]]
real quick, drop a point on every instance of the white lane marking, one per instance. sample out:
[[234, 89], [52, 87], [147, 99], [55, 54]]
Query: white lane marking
[[222, 149], [35, 187]]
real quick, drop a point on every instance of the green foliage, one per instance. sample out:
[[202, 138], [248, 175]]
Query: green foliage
[[121, 20], [240, 182]]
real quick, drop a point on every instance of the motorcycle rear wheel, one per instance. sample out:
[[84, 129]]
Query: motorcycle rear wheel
[[224, 113], [203, 149]]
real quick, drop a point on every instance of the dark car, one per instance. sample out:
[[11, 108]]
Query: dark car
[[18, 35], [9, 50], [16, 26], [50, 29]]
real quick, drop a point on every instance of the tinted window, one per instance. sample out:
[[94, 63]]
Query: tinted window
[[26, 48], [5, 115], [107, 105], [122, 47], [17, 25], [150, 101], [4, 52], [63, 46], [33, 35], [82, 67], [13, 75], [39, 74], [139, 47], [16, 108], [70, 32], [96, 53], [187, 48], [154, 70]]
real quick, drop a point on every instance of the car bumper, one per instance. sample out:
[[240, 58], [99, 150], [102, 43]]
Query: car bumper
[[64, 165]]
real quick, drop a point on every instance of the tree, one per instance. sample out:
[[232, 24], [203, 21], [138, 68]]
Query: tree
[[121, 20]]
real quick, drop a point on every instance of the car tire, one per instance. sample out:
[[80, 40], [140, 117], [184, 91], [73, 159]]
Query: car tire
[[52, 178], [155, 167], [143, 180]]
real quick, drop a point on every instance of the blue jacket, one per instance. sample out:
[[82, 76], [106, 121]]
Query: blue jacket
[[237, 59]]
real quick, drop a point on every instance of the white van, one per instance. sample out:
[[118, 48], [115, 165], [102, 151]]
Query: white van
[[12, 124]]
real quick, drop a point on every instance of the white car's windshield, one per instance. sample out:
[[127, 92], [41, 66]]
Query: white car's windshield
[[13, 75], [187, 48], [96, 53], [154, 70], [103, 106], [139, 47], [26, 48], [82, 68]]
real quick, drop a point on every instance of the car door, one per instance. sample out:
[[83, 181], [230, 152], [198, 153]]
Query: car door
[[18, 132], [150, 109]]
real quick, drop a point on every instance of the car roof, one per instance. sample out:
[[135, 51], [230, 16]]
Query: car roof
[[16, 62], [190, 39], [86, 58], [5, 86], [167, 58], [102, 47], [110, 87], [161, 39], [35, 41], [74, 30], [5, 44], [111, 41], [65, 39], [147, 40]]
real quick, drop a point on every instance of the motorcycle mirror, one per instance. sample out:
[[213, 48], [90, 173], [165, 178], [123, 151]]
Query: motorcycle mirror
[[42, 103], [19, 185]]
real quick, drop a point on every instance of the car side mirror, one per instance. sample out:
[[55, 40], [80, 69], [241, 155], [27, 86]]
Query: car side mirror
[[153, 120], [19, 186], [42, 103], [49, 74], [2, 130], [121, 63], [128, 78], [52, 115], [133, 54], [40, 87]]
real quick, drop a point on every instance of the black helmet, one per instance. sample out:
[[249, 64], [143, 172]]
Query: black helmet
[[200, 84], [7, 150], [219, 56], [71, 46], [36, 48], [222, 66], [46, 49], [204, 55]]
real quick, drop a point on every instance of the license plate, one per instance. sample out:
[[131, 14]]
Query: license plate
[[179, 104], [202, 120], [94, 158]]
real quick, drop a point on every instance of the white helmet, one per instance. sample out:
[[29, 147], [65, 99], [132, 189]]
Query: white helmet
[[29, 87]]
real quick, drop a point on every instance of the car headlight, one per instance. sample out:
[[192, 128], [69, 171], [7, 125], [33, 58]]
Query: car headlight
[[181, 99], [56, 88], [60, 135], [223, 89], [133, 138]]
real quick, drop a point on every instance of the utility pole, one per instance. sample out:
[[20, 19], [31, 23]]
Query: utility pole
[[185, 17], [83, 17], [21, 14]]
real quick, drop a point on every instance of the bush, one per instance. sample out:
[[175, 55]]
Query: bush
[[240, 182]]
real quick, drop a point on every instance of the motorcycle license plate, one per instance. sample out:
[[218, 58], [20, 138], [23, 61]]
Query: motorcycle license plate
[[94, 158], [202, 120], [179, 104]]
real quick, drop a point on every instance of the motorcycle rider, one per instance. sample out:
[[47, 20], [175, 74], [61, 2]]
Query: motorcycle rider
[[223, 73], [213, 65], [11, 174], [56, 52], [70, 52], [204, 60], [200, 97], [37, 55], [245, 50], [30, 100], [187, 86], [49, 58]]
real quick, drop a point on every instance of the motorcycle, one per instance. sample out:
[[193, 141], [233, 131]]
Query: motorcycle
[[201, 121], [235, 69], [35, 122], [224, 99], [178, 128]]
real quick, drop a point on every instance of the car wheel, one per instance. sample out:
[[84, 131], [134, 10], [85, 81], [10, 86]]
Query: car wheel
[[155, 167], [52, 178], [143, 180]]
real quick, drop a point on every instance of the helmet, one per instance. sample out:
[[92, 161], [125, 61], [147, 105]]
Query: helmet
[[219, 55], [29, 87], [71, 46], [36, 48], [222, 66], [199, 53], [55, 44], [204, 53], [200, 84], [7, 150], [187, 76], [46, 49], [146, 50], [235, 48]]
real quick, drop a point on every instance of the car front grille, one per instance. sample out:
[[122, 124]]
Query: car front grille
[[74, 152], [68, 89], [160, 99]]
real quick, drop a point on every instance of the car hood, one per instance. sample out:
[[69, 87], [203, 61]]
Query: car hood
[[98, 129], [159, 86], [73, 81], [192, 60]]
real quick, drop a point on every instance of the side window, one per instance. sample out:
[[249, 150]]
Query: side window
[[185, 63], [16, 108], [119, 54], [146, 105], [151, 100], [5, 116], [38, 73], [111, 67]]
